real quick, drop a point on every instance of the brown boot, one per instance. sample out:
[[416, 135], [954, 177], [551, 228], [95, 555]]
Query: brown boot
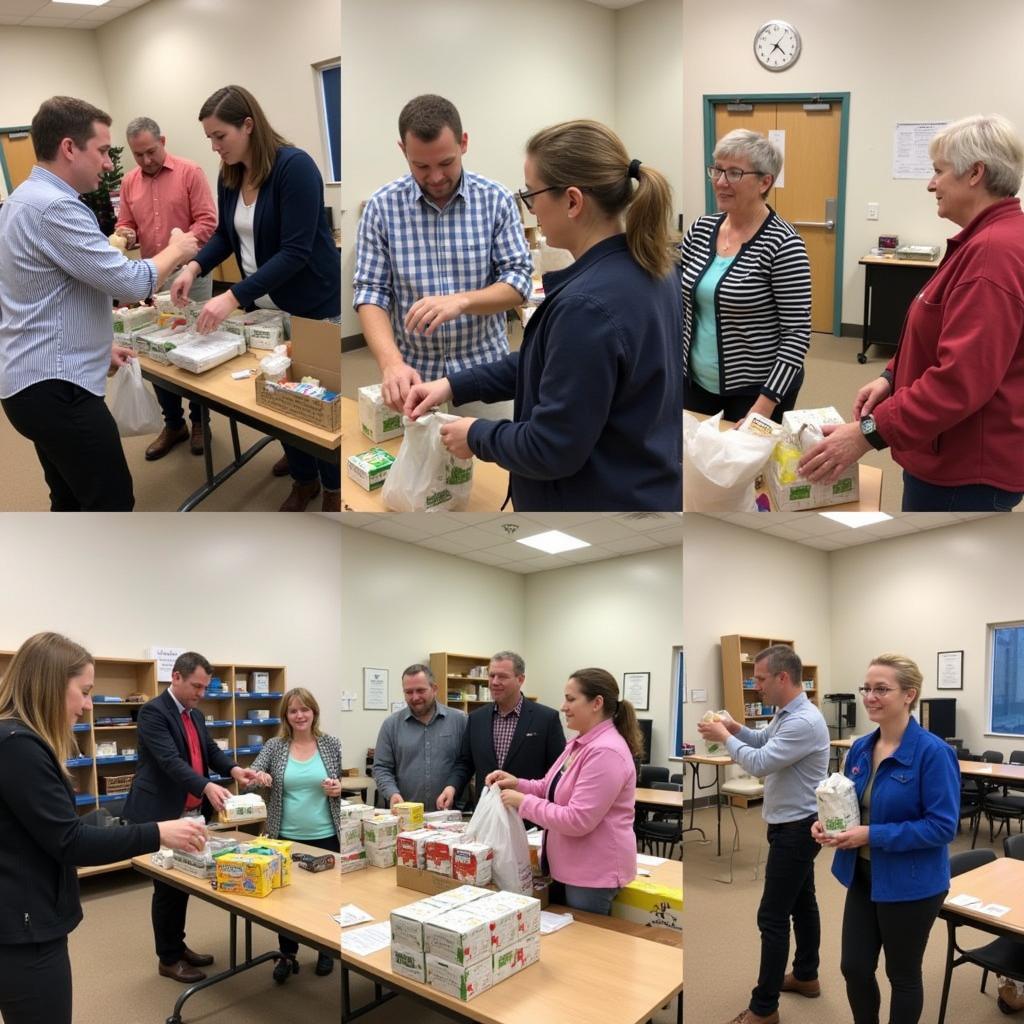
[[280, 468], [196, 443], [332, 501], [166, 440], [181, 971], [811, 989], [749, 1017], [301, 496]]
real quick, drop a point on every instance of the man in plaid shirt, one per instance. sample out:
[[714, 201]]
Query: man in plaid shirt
[[440, 257]]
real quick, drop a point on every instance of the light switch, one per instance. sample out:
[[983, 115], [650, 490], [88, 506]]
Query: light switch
[[872, 211]]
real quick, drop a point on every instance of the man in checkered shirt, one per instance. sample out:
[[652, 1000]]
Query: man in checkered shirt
[[440, 257]]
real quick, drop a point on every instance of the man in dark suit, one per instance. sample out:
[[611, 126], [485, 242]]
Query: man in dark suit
[[514, 734], [176, 755]]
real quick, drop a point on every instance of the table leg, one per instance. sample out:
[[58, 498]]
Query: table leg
[[865, 342], [718, 804], [693, 802], [207, 443]]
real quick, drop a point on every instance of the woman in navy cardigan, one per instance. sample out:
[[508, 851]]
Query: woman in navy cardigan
[[598, 381], [270, 202], [896, 864]]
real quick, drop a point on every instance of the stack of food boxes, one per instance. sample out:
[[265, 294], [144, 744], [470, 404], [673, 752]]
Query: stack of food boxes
[[261, 328], [464, 941], [380, 835], [352, 856], [203, 865], [246, 874], [247, 807]]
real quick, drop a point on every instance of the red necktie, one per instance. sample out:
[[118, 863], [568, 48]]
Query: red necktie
[[194, 755]]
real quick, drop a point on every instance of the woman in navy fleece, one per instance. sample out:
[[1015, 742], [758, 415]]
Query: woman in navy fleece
[[895, 865], [270, 201], [597, 383]]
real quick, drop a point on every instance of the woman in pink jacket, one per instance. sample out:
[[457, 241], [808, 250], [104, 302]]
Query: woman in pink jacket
[[585, 803]]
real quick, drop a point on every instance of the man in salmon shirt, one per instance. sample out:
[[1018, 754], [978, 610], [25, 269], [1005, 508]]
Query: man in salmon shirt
[[162, 193]]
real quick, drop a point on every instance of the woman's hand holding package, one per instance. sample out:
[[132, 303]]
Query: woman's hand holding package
[[421, 398], [331, 787], [870, 395], [820, 836], [503, 779], [825, 463], [215, 311], [512, 798], [848, 840], [455, 437], [185, 834]]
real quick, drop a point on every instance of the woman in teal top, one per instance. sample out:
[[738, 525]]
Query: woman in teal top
[[302, 767]]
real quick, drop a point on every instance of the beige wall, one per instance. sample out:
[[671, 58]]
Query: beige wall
[[266, 590], [899, 61], [742, 581]]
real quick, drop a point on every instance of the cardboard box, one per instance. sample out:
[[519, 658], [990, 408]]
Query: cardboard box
[[407, 922], [316, 352], [247, 807], [409, 963], [126, 320], [460, 936], [354, 861], [512, 959], [369, 469], [410, 815], [471, 862], [411, 847], [431, 818], [461, 895], [380, 830], [437, 852], [378, 421], [246, 874], [261, 683], [525, 910], [351, 835], [463, 983], [431, 883], [284, 847], [381, 856], [650, 904], [357, 811]]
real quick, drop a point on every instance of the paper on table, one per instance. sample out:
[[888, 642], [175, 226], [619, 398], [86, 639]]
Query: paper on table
[[993, 909], [643, 873], [553, 922], [964, 900], [351, 914], [370, 939], [649, 862]]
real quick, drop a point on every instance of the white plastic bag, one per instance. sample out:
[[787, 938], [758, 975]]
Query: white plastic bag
[[132, 402], [720, 467], [425, 477], [504, 832], [838, 808], [716, 748]]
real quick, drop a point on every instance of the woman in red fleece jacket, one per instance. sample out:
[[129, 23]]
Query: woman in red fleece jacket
[[950, 404]]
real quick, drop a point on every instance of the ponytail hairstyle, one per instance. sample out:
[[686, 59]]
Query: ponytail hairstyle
[[34, 689], [592, 157], [597, 682]]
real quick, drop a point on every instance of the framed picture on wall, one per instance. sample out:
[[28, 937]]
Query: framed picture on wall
[[636, 688], [950, 672], [375, 689]]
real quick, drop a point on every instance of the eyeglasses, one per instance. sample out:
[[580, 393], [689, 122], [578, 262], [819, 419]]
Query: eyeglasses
[[878, 691], [731, 174], [527, 197]]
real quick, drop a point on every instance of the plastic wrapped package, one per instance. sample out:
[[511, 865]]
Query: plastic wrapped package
[[720, 467], [198, 353], [838, 808], [425, 477], [716, 748]]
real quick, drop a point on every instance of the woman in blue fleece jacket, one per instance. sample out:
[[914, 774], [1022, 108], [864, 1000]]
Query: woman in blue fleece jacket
[[597, 383], [895, 864]]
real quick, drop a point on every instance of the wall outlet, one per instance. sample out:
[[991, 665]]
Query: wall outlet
[[872, 211]]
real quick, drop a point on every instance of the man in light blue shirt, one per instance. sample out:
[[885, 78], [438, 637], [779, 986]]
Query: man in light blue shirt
[[792, 757], [58, 274], [440, 257]]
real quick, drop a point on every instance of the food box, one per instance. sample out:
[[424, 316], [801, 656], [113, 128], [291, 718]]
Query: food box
[[514, 958], [462, 936], [198, 353], [410, 815], [441, 817], [281, 873], [379, 422], [502, 919], [461, 895], [437, 852], [246, 807], [471, 862], [284, 847], [266, 332], [409, 963], [246, 874], [463, 983], [650, 904], [380, 830], [526, 910], [356, 810], [126, 320], [381, 856], [370, 469], [407, 922], [411, 847], [350, 835], [203, 865], [354, 861]]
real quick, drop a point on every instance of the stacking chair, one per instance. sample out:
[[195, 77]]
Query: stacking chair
[[660, 837], [972, 797], [651, 773], [1002, 956], [751, 788], [1013, 846], [677, 777]]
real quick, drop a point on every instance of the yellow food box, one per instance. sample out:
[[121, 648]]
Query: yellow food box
[[650, 904], [410, 815], [247, 874], [284, 847]]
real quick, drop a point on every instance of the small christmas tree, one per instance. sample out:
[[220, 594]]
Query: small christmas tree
[[99, 200]]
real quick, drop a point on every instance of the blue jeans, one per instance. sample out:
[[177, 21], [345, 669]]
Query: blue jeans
[[919, 496], [585, 897], [304, 469]]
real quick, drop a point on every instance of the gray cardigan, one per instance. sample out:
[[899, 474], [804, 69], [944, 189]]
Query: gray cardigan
[[273, 759]]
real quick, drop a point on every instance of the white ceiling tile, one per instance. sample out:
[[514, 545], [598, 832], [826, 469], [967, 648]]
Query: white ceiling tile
[[359, 518], [511, 551], [823, 543], [591, 554], [789, 531], [599, 531], [749, 520], [648, 523], [443, 543], [21, 8], [668, 537], [388, 527], [41, 21], [629, 544], [540, 564], [487, 558], [432, 525], [470, 538]]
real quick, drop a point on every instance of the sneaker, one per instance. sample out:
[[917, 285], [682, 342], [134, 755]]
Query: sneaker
[[285, 965]]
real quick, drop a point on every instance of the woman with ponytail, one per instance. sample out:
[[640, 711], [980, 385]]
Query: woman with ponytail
[[586, 801], [597, 383]]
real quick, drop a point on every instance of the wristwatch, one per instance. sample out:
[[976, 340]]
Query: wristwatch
[[870, 432]]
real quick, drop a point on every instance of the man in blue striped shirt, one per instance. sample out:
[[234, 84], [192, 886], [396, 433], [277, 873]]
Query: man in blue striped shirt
[[440, 257], [58, 274]]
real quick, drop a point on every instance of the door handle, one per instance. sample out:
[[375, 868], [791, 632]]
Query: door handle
[[829, 223]]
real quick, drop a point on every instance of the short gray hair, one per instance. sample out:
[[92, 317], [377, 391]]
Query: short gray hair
[[764, 156], [989, 139], [782, 658], [415, 670], [138, 125], [518, 665]]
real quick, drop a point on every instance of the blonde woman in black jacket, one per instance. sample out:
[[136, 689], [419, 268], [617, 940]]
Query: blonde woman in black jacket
[[45, 690], [302, 767]]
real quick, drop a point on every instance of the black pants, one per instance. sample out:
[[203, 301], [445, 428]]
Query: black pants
[[920, 496], [290, 946], [788, 894], [171, 406], [35, 983], [168, 910], [77, 444], [734, 407], [902, 930]]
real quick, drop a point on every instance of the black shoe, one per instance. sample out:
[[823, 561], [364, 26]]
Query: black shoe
[[285, 965], [324, 964]]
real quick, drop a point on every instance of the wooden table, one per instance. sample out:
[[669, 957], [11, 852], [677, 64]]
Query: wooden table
[[995, 772], [598, 974], [216, 391], [663, 799], [301, 911], [490, 481], [890, 286], [356, 784], [869, 480], [718, 763]]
